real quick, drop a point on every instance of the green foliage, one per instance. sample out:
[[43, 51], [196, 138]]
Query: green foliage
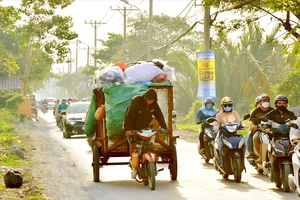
[[10, 99], [44, 38], [12, 160], [188, 127], [5, 137], [190, 118], [6, 119], [250, 68]]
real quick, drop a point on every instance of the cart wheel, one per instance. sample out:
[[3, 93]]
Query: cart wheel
[[96, 164], [173, 164]]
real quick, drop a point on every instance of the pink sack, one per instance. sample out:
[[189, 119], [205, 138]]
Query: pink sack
[[160, 78]]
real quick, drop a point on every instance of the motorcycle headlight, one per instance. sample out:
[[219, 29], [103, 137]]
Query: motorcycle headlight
[[231, 129], [227, 143], [241, 143], [278, 152]]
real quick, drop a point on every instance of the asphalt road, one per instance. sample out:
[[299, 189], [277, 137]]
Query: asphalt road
[[65, 165]]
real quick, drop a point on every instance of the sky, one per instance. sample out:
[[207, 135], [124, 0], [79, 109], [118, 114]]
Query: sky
[[112, 20]]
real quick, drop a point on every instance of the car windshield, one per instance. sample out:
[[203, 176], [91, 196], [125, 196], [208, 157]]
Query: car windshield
[[78, 107]]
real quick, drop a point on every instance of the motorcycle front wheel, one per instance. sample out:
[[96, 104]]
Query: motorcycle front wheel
[[237, 169], [285, 169], [151, 175]]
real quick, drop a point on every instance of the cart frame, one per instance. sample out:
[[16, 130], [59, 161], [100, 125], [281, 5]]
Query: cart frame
[[102, 151]]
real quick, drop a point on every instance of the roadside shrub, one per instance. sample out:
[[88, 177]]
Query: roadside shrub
[[190, 118], [10, 100]]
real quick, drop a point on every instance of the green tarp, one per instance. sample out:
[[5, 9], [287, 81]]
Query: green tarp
[[90, 121], [117, 99]]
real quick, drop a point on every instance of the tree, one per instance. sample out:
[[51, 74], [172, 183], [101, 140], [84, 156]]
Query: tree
[[43, 30], [8, 61], [244, 70], [285, 12]]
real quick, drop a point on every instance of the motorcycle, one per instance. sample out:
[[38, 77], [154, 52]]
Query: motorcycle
[[44, 108], [279, 161], [209, 141], [294, 179], [61, 113], [233, 151], [263, 150], [143, 162]]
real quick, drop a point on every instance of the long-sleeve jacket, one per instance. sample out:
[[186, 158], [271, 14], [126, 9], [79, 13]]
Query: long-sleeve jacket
[[139, 114], [279, 118]]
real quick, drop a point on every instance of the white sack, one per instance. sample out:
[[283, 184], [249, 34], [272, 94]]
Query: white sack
[[141, 72]]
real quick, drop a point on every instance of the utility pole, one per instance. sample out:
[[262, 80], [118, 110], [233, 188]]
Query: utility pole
[[70, 64], [150, 31], [95, 24], [207, 28], [124, 27], [76, 55]]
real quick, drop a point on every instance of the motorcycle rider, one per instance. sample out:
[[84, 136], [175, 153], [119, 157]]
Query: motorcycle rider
[[204, 113], [228, 114], [62, 106], [143, 112], [281, 113], [249, 141], [55, 106], [264, 108]]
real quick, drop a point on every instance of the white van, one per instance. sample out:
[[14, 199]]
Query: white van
[[51, 102]]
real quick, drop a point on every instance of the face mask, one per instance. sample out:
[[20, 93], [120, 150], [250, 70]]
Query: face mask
[[281, 108], [227, 109], [209, 106], [265, 104]]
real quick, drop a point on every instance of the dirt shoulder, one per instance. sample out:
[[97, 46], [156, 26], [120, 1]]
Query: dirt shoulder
[[32, 187]]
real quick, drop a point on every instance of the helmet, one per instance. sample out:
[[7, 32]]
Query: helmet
[[226, 100], [281, 97], [264, 96], [209, 99], [257, 99]]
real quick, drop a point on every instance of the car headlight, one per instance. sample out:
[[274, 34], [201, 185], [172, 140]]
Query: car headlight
[[71, 122], [227, 143]]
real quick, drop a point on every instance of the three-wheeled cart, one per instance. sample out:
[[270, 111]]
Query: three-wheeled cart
[[105, 147]]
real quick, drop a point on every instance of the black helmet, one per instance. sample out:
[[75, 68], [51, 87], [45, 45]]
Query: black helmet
[[281, 97], [264, 96]]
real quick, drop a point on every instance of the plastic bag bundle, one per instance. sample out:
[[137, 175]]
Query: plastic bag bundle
[[109, 76]]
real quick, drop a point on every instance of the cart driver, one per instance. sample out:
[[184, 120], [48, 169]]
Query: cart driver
[[143, 112]]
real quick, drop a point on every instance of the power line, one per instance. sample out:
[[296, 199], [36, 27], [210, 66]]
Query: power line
[[95, 24]]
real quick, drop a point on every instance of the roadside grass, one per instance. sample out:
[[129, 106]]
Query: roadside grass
[[11, 134]]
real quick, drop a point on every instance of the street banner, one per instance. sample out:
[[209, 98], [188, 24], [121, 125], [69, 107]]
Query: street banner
[[206, 74]]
